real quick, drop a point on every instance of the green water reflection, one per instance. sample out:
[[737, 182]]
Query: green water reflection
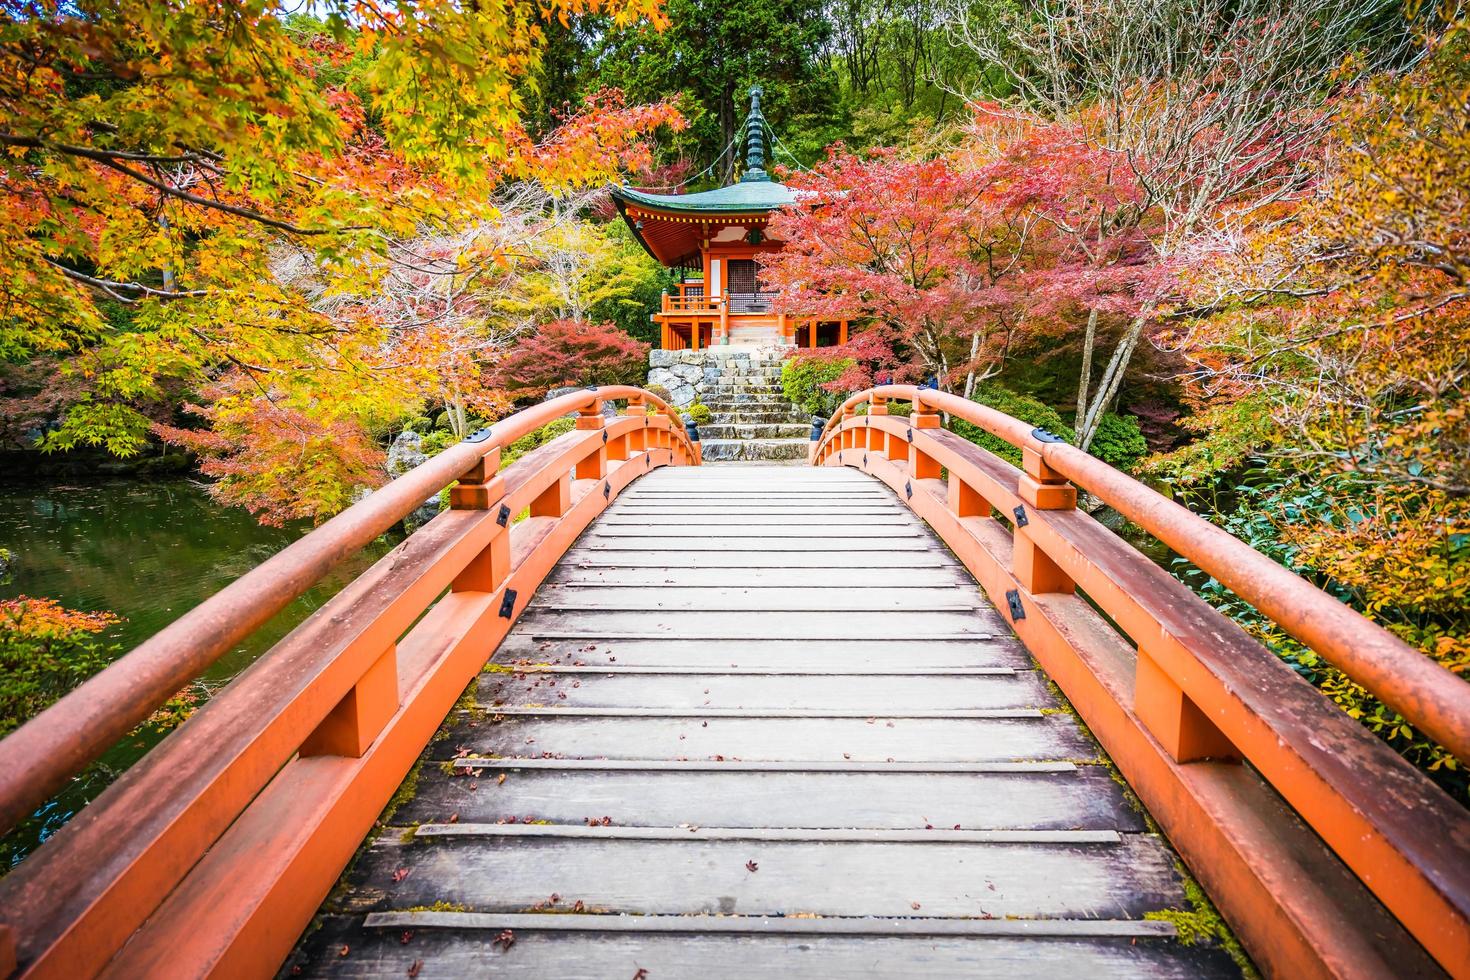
[[148, 551]]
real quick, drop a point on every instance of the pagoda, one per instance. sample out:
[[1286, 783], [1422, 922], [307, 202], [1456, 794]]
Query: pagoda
[[713, 239]]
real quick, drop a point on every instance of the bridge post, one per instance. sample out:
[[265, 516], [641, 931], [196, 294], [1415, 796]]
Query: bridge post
[[481, 486], [1042, 488], [877, 438], [1172, 718], [965, 500], [590, 419], [666, 437], [637, 440], [922, 466], [480, 489], [555, 500], [357, 719]]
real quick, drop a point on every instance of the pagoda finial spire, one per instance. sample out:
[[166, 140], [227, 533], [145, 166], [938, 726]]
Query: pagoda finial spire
[[755, 140]]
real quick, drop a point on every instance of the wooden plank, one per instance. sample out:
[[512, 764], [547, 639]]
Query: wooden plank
[[668, 541], [774, 925], [757, 598], [867, 581], [726, 511], [1123, 880], [840, 835], [729, 533], [817, 558], [854, 654], [1050, 737], [556, 711], [864, 695], [810, 624], [994, 949], [746, 765], [890, 672], [1084, 798]]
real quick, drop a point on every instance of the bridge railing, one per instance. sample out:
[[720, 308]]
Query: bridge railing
[[1209, 727], [214, 850]]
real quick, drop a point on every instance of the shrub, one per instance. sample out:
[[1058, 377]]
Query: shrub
[[803, 378], [45, 651], [534, 440], [1022, 407], [436, 442], [700, 414], [1119, 441], [572, 352], [658, 390]]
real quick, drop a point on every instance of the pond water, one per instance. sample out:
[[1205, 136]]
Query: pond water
[[149, 552]]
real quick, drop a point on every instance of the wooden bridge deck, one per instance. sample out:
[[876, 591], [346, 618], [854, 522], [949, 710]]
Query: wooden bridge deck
[[759, 722]]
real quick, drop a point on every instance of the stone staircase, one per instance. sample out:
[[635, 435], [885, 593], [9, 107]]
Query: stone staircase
[[752, 420]]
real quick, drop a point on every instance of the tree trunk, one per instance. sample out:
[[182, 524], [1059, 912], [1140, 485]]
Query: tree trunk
[[1109, 383], [970, 374], [1085, 377]]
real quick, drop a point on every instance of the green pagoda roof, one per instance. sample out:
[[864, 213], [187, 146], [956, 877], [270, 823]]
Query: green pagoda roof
[[755, 191], [755, 195]]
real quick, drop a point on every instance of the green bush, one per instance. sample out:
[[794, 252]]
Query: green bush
[[436, 442], [534, 440], [1022, 407], [45, 651], [700, 414], [802, 379], [1119, 441], [658, 390]]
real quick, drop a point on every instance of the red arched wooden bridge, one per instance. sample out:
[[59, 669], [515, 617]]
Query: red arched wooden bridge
[[736, 721]]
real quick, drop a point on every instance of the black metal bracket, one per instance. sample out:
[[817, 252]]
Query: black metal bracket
[[865, 459], [1021, 520], [908, 489], [604, 437], [1013, 600], [1041, 435], [508, 604], [910, 436], [479, 435], [503, 518], [606, 490]]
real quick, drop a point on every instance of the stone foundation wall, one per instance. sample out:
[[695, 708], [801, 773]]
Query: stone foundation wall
[[694, 375]]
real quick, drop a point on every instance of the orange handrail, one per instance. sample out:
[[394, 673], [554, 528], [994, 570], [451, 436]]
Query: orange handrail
[[1194, 694], [325, 724], [1428, 696]]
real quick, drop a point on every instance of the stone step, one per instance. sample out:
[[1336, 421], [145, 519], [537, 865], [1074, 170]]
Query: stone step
[[753, 449], [745, 403], [724, 384], [785, 430], [759, 417]]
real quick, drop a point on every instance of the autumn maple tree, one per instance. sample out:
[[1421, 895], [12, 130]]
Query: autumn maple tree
[[1333, 346], [162, 161], [571, 352], [921, 250]]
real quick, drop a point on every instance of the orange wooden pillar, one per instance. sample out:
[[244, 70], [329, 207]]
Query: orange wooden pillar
[[637, 440], [877, 438], [594, 466], [356, 720], [1041, 488], [922, 466], [842, 332]]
